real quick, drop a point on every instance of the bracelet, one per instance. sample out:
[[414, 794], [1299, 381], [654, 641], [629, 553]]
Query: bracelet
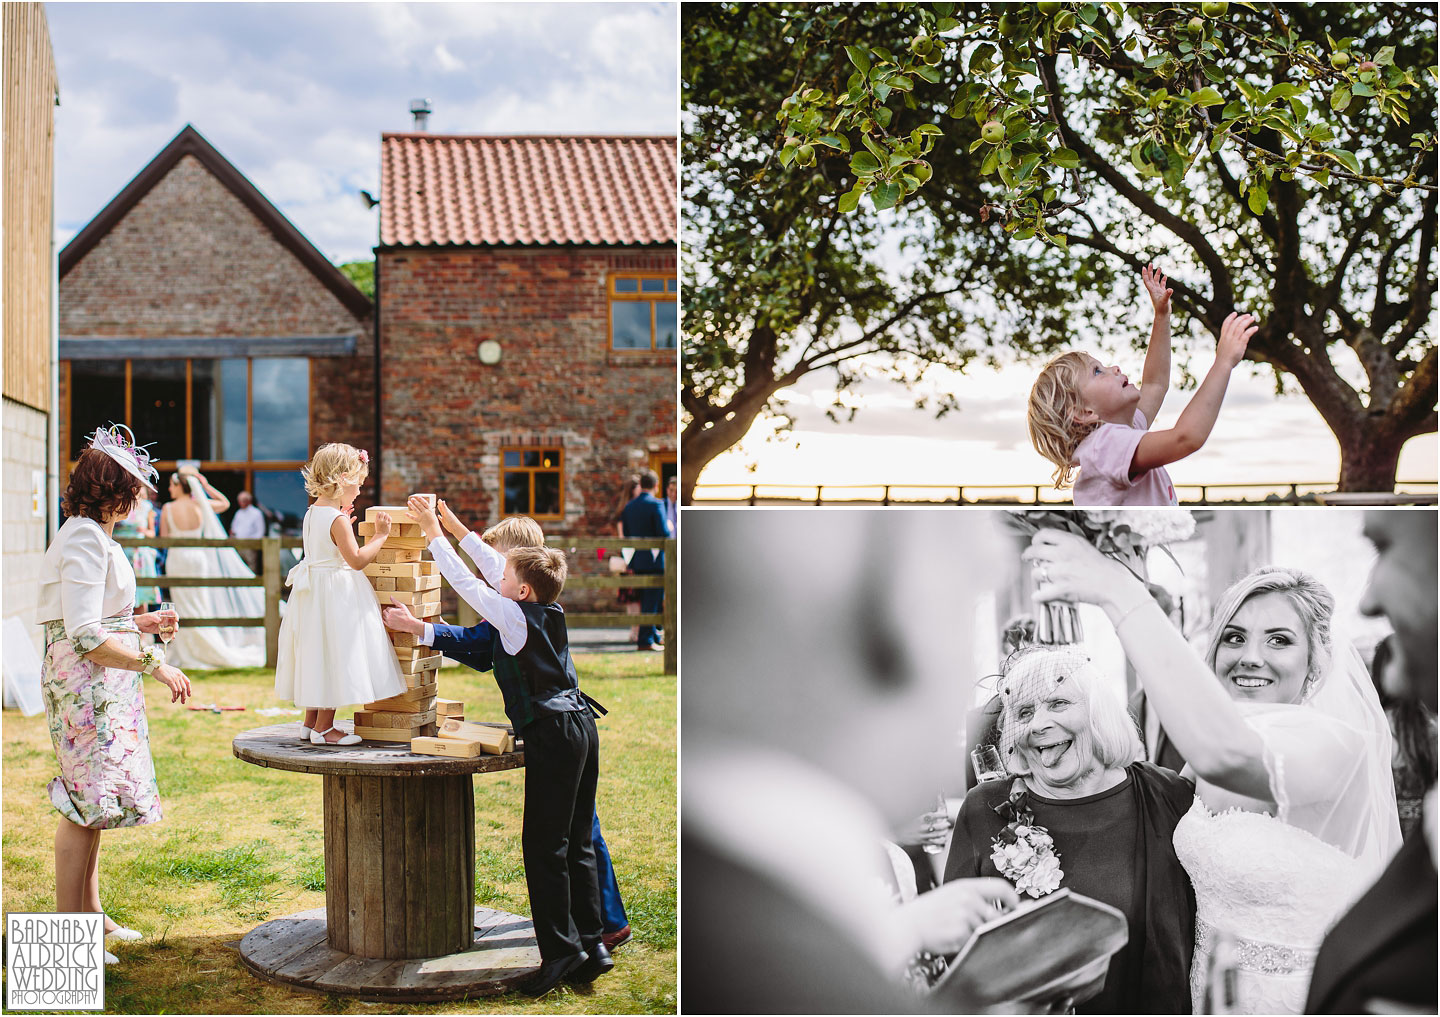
[[1126, 616], [150, 658]]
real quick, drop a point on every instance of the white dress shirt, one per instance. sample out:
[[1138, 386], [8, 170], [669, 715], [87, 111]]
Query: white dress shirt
[[248, 522], [501, 612], [84, 578]]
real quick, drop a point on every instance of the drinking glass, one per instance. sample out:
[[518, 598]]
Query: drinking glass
[[169, 620], [942, 809], [986, 760]]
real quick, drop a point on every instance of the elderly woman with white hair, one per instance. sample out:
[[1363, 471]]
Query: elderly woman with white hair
[[1084, 812], [1294, 812]]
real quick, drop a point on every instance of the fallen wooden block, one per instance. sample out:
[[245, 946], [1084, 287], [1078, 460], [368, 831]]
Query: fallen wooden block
[[367, 529], [451, 708], [394, 718], [446, 747], [383, 583], [407, 569], [496, 740], [392, 555], [411, 597], [421, 664], [413, 700]]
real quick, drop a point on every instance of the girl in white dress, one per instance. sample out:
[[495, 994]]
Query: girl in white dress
[[333, 648], [1294, 815]]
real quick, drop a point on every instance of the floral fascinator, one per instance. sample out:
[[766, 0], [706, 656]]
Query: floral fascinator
[[118, 442]]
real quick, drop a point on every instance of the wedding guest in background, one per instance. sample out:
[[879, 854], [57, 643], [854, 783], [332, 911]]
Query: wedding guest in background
[[982, 724], [643, 516], [249, 521], [1109, 817], [627, 595], [141, 522], [1413, 728], [828, 723], [671, 502], [1381, 956]]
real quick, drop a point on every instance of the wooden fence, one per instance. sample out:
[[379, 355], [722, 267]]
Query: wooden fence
[[272, 579]]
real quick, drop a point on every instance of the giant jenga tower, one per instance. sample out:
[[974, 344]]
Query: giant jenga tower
[[402, 574]]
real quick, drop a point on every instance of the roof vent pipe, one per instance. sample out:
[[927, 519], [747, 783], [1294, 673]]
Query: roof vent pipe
[[421, 110]]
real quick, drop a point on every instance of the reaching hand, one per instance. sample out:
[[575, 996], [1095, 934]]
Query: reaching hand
[[1070, 568], [944, 918], [399, 618], [382, 526], [451, 520], [173, 679], [424, 514], [930, 828], [1155, 285], [1235, 336], [148, 622]]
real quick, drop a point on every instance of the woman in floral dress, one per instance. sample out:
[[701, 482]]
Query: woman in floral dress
[[93, 669]]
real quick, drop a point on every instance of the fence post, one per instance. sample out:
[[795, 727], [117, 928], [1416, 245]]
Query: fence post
[[672, 609], [270, 567]]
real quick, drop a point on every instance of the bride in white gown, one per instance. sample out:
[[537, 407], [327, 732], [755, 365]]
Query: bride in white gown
[[1294, 815], [191, 513]]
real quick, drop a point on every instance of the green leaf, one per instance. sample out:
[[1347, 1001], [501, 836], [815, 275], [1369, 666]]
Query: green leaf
[[900, 83], [1061, 240], [1346, 159], [886, 195], [883, 115], [1284, 90], [1207, 97], [896, 161], [876, 149], [787, 154], [1028, 166], [1258, 199], [1360, 88], [835, 141], [1340, 99], [930, 74], [924, 129], [988, 166], [858, 57], [1386, 56], [863, 164], [882, 91], [1065, 158], [850, 200]]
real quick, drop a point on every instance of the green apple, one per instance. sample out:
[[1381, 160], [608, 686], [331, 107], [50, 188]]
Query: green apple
[[921, 171], [1065, 21], [993, 132], [1340, 60], [1214, 9], [1195, 26], [920, 45], [805, 155], [1048, 9]]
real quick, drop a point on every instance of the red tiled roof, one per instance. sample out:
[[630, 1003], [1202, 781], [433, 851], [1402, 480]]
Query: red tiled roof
[[486, 189]]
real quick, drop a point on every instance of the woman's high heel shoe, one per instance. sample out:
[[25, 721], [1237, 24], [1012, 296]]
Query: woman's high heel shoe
[[318, 738]]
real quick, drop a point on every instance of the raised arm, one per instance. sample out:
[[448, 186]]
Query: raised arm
[[355, 556], [1160, 448], [217, 500], [499, 611], [1206, 725], [1155, 381]]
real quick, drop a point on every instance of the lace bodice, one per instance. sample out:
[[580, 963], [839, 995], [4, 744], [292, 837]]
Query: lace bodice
[[1274, 887]]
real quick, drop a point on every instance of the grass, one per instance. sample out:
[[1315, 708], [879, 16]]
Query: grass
[[241, 844]]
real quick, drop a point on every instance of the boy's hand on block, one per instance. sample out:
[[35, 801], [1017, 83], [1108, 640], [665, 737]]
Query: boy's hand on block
[[1155, 285], [424, 514], [399, 618], [382, 527], [1235, 338], [450, 520]]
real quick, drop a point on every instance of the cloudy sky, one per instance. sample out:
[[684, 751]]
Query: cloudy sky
[[296, 95]]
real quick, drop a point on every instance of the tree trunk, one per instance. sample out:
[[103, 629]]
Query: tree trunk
[[1368, 462], [700, 444]]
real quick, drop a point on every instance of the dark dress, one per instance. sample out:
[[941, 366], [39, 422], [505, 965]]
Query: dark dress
[[1117, 847]]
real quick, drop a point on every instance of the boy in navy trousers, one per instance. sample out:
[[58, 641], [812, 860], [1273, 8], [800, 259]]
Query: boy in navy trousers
[[531, 656], [473, 647]]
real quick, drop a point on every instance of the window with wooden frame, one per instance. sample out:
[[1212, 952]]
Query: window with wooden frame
[[644, 312], [532, 481]]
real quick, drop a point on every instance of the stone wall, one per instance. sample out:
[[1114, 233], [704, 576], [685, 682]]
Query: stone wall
[[24, 532]]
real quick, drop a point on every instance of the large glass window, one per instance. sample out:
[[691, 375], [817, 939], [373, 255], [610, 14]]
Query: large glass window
[[281, 404], [97, 399], [644, 314], [220, 409], [157, 406], [532, 482], [281, 496]]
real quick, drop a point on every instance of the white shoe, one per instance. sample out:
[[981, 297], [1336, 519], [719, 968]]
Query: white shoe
[[124, 935], [318, 738], [306, 732], [110, 958]]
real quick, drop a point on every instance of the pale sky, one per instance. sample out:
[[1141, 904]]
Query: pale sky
[[296, 95]]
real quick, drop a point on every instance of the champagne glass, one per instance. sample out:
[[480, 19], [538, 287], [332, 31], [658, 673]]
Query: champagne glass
[[942, 809], [169, 620], [986, 760]]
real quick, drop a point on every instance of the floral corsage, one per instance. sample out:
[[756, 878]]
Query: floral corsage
[[150, 658], [1023, 852]]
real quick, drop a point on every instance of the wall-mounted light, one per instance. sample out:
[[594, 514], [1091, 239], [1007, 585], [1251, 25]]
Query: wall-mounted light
[[489, 352]]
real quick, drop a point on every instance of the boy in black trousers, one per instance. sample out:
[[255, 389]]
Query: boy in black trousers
[[562, 749]]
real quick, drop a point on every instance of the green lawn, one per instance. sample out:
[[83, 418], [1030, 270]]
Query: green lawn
[[241, 844]]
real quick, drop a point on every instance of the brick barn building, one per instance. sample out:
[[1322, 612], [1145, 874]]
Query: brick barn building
[[527, 316]]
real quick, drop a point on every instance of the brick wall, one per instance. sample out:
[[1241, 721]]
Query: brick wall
[[24, 532], [445, 416], [191, 260]]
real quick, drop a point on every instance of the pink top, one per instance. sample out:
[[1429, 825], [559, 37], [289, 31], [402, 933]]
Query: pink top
[[1105, 456]]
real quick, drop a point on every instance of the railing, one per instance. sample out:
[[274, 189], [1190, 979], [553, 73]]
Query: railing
[[1409, 492], [272, 580]]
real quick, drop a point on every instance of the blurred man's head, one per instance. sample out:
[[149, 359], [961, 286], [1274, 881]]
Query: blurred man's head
[[672, 489], [649, 480], [849, 647], [244, 499], [1402, 588]]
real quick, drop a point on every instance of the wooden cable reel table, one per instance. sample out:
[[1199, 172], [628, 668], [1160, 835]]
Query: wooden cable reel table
[[399, 920]]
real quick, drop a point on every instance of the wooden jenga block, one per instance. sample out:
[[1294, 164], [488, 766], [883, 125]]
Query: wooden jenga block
[[402, 703], [496, 740], [399, 530], [416, 583], [412, 597], [421, 680], [397, 513], [403, 639], [406, 569], [419, 692], [385, 734], [398, 719], [427, 610], [446, 747], [392, 555], [422, 664], [449, 708], [383, 583], [408, 653]]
